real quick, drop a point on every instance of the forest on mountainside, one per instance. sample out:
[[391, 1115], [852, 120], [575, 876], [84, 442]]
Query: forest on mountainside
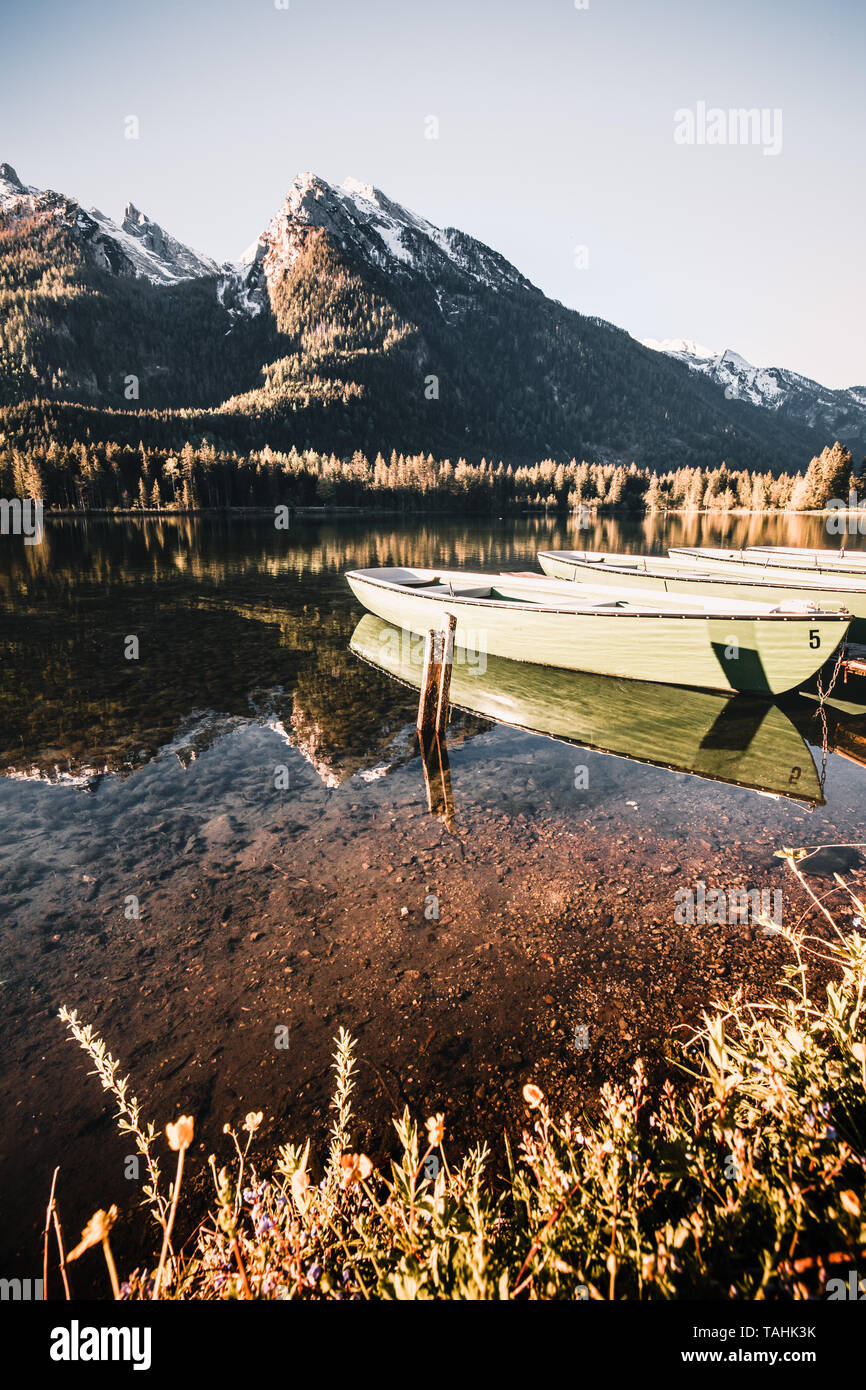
[[343, 357]]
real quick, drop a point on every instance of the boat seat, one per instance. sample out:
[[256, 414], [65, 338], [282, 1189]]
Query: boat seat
[[461, 591]]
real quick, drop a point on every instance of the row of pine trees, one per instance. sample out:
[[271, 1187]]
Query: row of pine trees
[[114, 476]]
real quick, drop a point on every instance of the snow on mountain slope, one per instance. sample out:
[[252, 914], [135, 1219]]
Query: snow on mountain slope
[[364, 225], [773, 388], [138, 247], [357, 216], [738, 378], [362, 220], [370, 229]]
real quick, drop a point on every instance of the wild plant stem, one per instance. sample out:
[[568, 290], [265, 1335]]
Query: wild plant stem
[[48, 1210], [236, 1250], [537, 1242], [170, 1223], [112, 1270], [59, 1234]]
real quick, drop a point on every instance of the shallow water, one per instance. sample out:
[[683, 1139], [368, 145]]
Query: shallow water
[[231, 834]]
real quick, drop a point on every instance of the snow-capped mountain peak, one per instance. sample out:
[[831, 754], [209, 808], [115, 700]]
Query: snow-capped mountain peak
[[356, 189], [361, 220], [172, 258], [835, 412], [8, 176], [739, 379], [738, 363], [679, 347], [15, 197], [138, 247]]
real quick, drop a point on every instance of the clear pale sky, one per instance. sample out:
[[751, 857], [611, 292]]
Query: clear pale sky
[[555, 131]]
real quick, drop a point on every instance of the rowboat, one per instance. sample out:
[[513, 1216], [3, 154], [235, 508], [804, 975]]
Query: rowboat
[[677, 575], [672, 639], [740, 740], [760, 559], [805, 555]]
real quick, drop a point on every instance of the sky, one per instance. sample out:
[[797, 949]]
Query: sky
[[563, 141]]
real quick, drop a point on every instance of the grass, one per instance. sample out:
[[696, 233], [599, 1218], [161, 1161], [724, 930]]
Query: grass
[[748, 1181]]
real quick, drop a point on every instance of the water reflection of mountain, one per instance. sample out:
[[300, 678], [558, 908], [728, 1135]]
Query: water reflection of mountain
[[76, 709], [747, 742], [368, 732]]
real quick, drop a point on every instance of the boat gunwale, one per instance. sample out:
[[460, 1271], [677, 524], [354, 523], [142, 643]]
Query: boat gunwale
[[513, 605]]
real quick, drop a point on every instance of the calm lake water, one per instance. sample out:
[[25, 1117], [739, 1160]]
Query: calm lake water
[[231, 835]]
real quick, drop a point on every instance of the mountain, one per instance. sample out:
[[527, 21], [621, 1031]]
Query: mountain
[[837, 414], [350, 324], [138, 247], [371, 229], [109, 314]]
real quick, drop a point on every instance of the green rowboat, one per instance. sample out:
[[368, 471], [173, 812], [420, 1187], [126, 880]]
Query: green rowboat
[[804, 555], [789, 559], [741, 740], [712, 644], [677, 575]]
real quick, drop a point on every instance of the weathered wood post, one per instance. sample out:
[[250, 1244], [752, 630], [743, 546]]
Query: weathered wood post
[[436, 678], [446, 637], [429, 688], [437, 780]]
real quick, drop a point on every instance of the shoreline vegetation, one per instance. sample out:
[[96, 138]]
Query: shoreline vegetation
[[747, 1181], [88, 477], [337, 512]]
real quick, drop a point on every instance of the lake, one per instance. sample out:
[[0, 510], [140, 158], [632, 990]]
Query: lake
[[219, 845]]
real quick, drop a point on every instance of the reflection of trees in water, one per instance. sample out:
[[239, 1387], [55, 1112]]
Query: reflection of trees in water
[[218, 551], [71, 699], [224, 608]]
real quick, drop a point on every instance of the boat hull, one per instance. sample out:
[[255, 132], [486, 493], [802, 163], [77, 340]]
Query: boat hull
[[736, 653]]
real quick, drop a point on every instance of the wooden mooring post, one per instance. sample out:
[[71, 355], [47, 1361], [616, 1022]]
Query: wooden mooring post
[[437, 780], [436, 679]]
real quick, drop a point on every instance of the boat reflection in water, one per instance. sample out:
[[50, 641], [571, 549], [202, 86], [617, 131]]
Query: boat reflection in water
[[736, 739]]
